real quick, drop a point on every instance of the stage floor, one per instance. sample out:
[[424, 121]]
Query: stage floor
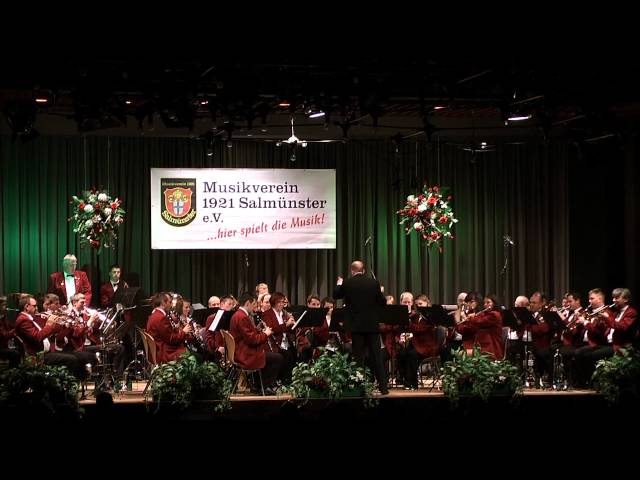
[[136, 395]]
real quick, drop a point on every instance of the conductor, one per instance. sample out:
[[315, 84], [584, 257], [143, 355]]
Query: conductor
[[363, 306]]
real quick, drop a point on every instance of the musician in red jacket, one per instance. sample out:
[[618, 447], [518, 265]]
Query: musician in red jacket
[[170, 339], [598, 316], [624, 325], [108, 289], [37, 334], [7, 334], [70, 281], [280, 322], [213, 337], [250, 351]]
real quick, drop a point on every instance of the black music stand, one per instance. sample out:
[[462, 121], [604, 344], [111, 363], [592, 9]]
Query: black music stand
[[225, 320], [554, 321], [521, 316], [140, 314], [436, 315], [201, 313], [310, 317], [126, 296], [395, 315]]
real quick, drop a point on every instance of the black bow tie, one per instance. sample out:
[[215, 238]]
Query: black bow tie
[[69, 275]]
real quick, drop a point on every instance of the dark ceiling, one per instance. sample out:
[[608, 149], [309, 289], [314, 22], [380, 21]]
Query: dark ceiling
[[582, 98]]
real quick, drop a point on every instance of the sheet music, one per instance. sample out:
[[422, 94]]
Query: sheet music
[[216, 320]]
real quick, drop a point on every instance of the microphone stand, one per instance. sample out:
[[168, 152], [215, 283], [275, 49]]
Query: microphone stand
[[369, 242], [507, 242]]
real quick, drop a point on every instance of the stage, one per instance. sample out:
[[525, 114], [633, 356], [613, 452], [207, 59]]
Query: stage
[[400, 407]]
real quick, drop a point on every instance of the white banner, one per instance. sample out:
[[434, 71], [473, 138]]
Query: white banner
[[242, 208]]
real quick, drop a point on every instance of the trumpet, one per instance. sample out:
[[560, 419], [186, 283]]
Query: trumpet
[[59, 317], [588, 316], [598, 311]]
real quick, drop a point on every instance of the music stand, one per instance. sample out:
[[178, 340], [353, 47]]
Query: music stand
[[139, 314], [310, 317], [524, 316], [436, 315], [125, 296], [395, 315], [225, 320], [201, 313], [554, 320]]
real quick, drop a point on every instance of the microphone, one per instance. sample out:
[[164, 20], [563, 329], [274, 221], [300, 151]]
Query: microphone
[[508, 241], [367, 241], [246, 260]]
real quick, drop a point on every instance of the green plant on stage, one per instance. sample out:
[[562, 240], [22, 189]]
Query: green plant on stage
[[35, 384], [187, 379], [618, 375], [332, 375], [478, 375]]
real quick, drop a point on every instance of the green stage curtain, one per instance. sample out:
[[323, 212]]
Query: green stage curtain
[[519, 189]]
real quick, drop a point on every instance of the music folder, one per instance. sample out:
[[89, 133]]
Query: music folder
[[436, 315]]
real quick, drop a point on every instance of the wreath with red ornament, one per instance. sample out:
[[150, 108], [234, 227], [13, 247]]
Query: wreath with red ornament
[[429, 213], [96, 218]]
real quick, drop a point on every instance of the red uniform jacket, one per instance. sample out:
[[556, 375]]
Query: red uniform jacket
[[279, 330], [573, 336], [169, 340], [389, 335], [32, 336], [214, 339], [424, 338], [597, 328], [6, 332], [58, 286], [250, 343], [106, 292], [625, 329], [541, 332]]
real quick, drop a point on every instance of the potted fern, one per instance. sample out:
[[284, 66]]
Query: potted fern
[[34, 385], [478, 375], [618, 377], [180, 382], [333, 376]]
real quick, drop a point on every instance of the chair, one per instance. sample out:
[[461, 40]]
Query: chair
[[237, 370], [149, 345], [430, 367]]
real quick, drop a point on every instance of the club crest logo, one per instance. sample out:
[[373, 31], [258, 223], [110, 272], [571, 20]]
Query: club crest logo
[[179, 200]]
